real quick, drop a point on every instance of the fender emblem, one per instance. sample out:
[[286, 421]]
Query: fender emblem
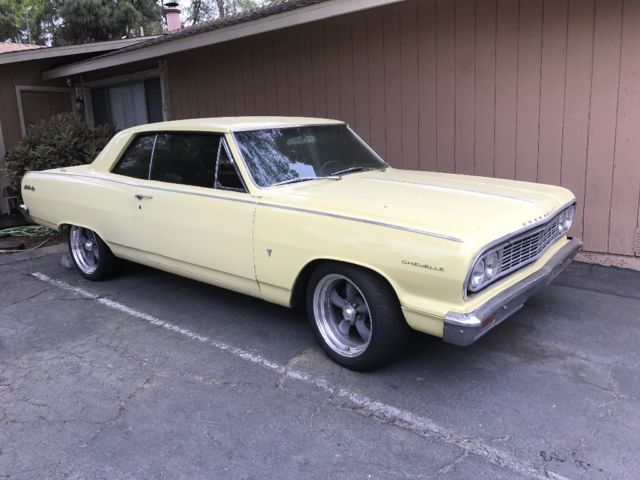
[[30, 187], [423, 265]]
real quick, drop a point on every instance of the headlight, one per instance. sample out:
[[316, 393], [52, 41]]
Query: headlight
[[566, 218], [491, 265], [478, 275]]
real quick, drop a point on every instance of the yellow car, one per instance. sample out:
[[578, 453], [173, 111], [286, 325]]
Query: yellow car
[[300, 211]]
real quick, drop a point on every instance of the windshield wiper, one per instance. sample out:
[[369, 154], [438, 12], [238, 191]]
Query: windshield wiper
[[305, 179], [356, 169]]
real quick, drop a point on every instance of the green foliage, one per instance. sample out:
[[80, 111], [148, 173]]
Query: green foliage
[[60, 141], [87, 21], [23, 21], [202, 10]]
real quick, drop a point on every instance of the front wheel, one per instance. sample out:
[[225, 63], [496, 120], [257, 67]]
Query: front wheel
[[355, 316], [91, 256]]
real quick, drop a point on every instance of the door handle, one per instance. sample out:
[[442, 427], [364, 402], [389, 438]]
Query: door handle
[[139, 196]]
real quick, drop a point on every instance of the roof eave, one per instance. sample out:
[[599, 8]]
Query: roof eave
[[53, 52], [311, 13]]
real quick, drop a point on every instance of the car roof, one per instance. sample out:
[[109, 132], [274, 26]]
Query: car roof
[[230, 124]]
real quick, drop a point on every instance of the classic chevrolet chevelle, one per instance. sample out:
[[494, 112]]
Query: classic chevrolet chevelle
[[300, 211]]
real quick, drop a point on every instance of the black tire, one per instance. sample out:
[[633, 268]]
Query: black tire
[[95, 263], [388, 330]]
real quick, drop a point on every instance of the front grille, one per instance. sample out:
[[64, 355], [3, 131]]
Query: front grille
[[527, 247]]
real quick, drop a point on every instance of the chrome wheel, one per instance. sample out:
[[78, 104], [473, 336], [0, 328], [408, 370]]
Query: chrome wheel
[[84, 248], [342, 315]]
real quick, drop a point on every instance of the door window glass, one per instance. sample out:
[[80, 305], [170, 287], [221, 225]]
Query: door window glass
[[226, 174], [185, 158], [135, 161]]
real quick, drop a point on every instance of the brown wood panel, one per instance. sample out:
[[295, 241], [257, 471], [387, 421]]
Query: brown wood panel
[[193, 109], [318, 67], [465, 85], [259, 75], [392, 87], [282, 73], [602, 126], [485, 88], [375, 25], [247, 78], [528, 114], [445, 70], [409, 86], [345, 67], [271, 92], [332, 70], [293, 73], [427, 100], [235, 64], [361, 78], [306, 72], [577, 103], [552, 86], [506, 87], [626, 177]]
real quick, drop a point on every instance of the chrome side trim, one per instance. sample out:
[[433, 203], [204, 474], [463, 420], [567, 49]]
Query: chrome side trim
[[447, 187], [370, 222], [270, 205], [465, 328]]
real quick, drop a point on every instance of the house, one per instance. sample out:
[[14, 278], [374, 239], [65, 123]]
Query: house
[[536, 90]]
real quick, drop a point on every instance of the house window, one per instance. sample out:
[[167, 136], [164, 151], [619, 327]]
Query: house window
[[127, 105]]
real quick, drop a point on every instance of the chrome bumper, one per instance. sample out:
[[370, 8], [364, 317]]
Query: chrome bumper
[[465, 328], [24, 210]]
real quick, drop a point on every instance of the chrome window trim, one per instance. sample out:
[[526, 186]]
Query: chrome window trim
[[246, 167], [283, 126], [514, 235], [269, 205], [153, 151]]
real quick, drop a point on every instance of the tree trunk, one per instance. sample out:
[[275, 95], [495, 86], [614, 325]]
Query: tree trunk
[[221, 9]]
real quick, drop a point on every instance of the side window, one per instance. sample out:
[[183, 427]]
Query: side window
[[185, 158], [226, 174], [135, 160]]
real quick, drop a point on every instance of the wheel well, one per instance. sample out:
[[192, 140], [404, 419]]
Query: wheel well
[[299, 291]]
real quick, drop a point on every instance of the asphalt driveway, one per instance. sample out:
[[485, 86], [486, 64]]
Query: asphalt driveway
[[154, 376]]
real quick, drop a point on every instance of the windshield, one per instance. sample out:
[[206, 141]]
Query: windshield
[[287, 155]]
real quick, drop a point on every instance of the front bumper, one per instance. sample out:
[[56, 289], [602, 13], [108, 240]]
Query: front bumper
[[465, 328], [24, 210]]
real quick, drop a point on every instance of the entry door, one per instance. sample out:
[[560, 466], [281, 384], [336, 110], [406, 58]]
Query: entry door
[[188, 223]]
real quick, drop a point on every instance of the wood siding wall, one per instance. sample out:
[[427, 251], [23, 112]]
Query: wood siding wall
[[536, 90]]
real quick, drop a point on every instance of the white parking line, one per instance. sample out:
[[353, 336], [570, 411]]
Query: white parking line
[[403, 418]]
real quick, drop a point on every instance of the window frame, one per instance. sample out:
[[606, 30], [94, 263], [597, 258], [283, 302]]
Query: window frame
[[155, 133]]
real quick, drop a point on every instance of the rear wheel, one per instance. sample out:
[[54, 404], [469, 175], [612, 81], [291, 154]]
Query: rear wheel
[[355, 316], [91, 256]]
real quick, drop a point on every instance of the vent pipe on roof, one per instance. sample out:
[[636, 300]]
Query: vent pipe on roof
[[172, 16]]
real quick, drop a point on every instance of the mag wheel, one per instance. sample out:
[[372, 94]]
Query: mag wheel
[[355, 316], [91, 256]]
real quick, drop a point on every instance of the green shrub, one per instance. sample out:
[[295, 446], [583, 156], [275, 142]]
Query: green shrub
[[59, 141]]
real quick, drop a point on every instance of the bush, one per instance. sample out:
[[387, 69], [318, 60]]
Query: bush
[[59, 141]]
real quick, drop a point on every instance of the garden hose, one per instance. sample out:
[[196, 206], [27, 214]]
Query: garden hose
[[28, 231]]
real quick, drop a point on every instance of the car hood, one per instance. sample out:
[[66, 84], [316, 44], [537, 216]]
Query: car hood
[[469, 209]]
